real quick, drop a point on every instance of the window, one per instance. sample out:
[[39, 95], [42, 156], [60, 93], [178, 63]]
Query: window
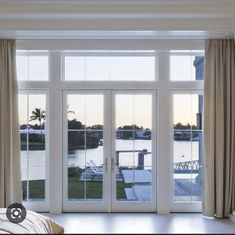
[[187, 147], [32, 65], [187, 128], [109, 66], [133, 147], [107, 125], [85, 150], [185, 64], [33, 136]]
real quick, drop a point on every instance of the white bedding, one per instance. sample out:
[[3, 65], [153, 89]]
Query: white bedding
[[33, 223]]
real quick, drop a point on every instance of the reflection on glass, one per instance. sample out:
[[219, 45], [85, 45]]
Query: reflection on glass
[[32, 118], [133, 148], [187, 147], [85, 147]]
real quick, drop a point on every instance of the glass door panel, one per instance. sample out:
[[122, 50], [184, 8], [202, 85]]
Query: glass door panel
[[85, 155], [33, 137], [109, 170], [132, 154], [187, 147]]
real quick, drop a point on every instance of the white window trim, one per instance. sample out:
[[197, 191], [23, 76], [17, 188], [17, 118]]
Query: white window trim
[[163, 85]]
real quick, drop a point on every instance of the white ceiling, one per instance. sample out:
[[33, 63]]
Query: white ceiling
[[117, 19]]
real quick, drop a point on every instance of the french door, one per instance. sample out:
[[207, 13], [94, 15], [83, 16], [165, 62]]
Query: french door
[[109, 150]]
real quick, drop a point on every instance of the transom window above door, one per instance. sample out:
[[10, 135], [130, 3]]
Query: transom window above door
[[109, 66]]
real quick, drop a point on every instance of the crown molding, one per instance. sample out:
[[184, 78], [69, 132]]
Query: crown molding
[[22, 18], [106, 44], [82, 35], [163, 15], [136, 24], [117, 6]]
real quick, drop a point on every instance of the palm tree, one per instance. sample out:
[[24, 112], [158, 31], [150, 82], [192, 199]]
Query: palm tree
[[38, 114]]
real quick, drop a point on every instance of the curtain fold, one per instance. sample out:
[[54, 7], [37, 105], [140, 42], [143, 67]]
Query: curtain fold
[[10, 177], [219, 128]]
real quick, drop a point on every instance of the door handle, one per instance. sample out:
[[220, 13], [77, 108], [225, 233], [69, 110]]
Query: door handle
[[112, 164], [106, 164]]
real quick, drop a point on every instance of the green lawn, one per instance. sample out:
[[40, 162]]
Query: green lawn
[[33, 145], [36, 189], [76, 189]]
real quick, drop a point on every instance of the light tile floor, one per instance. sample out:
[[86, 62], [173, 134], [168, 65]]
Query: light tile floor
[[141, 223]]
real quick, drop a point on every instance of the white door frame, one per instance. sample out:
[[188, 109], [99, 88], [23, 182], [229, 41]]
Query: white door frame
[[108, 203]]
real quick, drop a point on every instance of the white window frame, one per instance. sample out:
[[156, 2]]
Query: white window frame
[[163, 86]]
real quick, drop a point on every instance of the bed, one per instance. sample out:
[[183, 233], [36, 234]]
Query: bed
[[33, 223]]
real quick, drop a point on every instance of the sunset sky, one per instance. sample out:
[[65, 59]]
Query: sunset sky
[[129, 108]]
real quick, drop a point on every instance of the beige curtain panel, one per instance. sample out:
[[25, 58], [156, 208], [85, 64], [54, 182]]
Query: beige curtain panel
[[10, 178], [219, 127]]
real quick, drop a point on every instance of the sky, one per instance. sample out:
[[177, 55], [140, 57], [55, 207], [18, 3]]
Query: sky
[[27, 103], [129, 108], [185, 108], [105, 68]]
